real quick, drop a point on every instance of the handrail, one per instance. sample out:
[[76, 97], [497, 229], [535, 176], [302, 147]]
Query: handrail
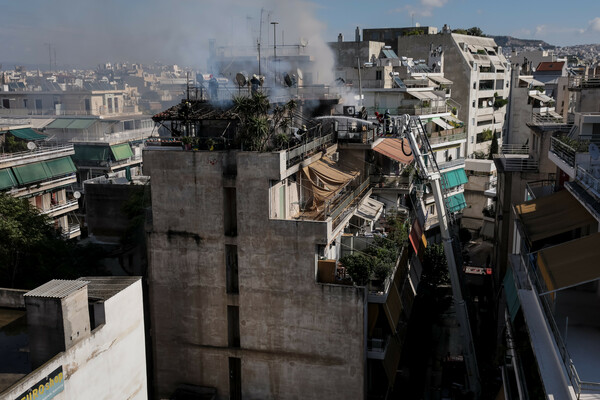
[[448, 137], [6, 157], [347, 201]]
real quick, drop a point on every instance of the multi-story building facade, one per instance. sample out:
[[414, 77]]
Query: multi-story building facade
[[43, 173], [254, 299]]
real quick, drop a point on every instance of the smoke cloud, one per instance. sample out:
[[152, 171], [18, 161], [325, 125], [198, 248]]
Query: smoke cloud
[[172, 32]]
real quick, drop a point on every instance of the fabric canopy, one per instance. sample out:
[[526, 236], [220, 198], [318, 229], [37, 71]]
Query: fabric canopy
[[370, 209], [552, 215], [440, 80], [61, 166], [454, 178], [424, 95], [326, 179], [442, 123], [27, 134], [7, 179], [393, 148], [531, 81], [33, 172], [121, 151], [570, 264], [542, 97], [456, 203]]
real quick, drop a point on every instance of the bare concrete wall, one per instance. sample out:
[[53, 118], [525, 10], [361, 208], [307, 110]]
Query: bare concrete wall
[[12, 298], [297, 338], [109, 364]]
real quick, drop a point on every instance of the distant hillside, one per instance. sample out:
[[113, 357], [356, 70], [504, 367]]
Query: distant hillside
[[509, 41]]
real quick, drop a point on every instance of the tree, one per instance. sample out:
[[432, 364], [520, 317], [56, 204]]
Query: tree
[[32, 251], [257, 129], [474, 31], [359, 266], [493, 147]]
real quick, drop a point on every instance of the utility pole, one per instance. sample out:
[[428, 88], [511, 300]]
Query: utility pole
[[260, 39], [275, 48]]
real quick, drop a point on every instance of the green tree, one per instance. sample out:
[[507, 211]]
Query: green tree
[[258, 128], [493, 146], [32, 251], [359, 266]]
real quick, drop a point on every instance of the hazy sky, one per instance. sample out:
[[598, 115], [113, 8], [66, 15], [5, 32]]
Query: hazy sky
[[85, 33]]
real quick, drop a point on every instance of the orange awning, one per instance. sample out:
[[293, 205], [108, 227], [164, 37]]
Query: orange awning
[[570, 264], [392, 148], [552, 215]]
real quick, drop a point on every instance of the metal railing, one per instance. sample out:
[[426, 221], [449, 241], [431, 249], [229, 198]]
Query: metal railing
[[451, 163], [336, 211], [38, 152], [517, 164], [563, 151], [515, 149], [392, 182], [584, 82], [588, 181], [448, 135], [299, 152], [60, 207], [530, 263]]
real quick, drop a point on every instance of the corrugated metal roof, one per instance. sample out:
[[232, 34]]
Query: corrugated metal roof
[[56, 288], [104, 287]]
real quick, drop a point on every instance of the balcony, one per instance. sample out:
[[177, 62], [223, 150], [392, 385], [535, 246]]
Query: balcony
[[305, 150], [562, 323], [59, 209], [38, 154], [579, 82], [508, 163], [71, 232], [447, 136], [540, 188], [392, 183], [451, 163]]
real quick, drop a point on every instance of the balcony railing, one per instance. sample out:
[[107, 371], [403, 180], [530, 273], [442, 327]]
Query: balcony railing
[[396, 182], [584, 82], [564, 151], [517, 164], [529, 262], [588, 181], [522, 149], [540, 188], [337, 208], [451, 163], [58, 209], [449, 135], [300, 152], [65, 149]]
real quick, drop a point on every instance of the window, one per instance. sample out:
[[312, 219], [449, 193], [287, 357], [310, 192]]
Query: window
[[378, 75], [5, 103], [38, 104], [473, 103], [235, 378], [233, 326], [25, 103], [474, 85], [231, 265], [88, 105], [230, 212]]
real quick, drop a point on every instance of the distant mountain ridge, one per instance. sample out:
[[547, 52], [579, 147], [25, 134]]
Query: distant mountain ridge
[[509, 41]]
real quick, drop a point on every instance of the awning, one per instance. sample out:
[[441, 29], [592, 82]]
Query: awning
[[548, 216], [396, 149], [489, 49], [60, 123], [424, 95], [91, 153], [454, 178], [531, 81], [121, 151], [326, 179], [440, 80], [34, 172], [27, 134], [456, 203], [570, 264], [61, 166], [83, 123], [370, 209], [451, 118], [541, 97], [417, 237], [441, 123], [71, 123], [7, 179]]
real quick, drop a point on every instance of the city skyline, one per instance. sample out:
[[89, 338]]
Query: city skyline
[[85, 34]]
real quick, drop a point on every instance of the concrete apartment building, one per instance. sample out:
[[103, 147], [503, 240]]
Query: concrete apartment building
[[402, 85], [548, 224], [481, 85], [247, 296], [72, 339], [43, 173]]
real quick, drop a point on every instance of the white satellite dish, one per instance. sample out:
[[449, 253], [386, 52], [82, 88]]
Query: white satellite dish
[[594, 151], [490, 103], [77, 195], [31, 145], [303, 42]]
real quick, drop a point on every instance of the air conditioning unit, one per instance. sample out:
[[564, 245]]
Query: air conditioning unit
[[349, 110]]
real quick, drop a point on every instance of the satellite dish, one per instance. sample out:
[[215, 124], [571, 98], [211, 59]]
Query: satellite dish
[[533, 69], [303, 42], [241, 78], [31, 145], [77, 195], [594, 151], [289, 80], [490, 103], [299, 73]]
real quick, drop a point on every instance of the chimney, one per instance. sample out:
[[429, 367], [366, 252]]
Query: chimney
[[357, 34], [340, 38], [57, 318]]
